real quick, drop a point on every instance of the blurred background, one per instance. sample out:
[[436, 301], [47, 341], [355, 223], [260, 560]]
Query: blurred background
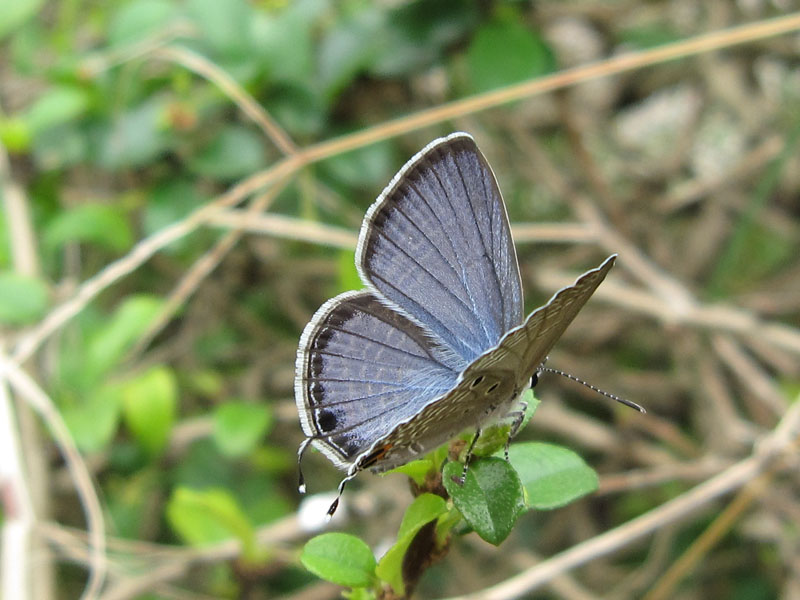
[[182, 184]]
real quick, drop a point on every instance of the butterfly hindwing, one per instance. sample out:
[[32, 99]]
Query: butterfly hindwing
[[362, 368]]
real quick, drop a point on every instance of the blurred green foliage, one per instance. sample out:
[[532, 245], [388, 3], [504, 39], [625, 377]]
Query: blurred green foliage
[[115, 139], [154, 142]]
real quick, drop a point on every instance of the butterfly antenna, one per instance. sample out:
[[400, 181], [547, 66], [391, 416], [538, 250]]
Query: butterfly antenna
[[595, 389]]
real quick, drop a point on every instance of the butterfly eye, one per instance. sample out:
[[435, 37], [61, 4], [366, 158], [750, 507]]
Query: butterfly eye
[[492, 388], [476, 382], [534, 380]]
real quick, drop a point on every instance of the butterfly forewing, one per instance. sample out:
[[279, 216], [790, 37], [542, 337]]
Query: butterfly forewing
[[523, 349], [437, 244]]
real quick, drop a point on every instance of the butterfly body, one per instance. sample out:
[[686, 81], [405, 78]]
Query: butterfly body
[[436, 343]]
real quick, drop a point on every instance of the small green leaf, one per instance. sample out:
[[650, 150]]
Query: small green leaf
[[222, 25], [495, 437], [415, 35], [23, 299], [15, 13], [490, 499], [56, 106], [299, 108], [60, 146], [94, 418], [101, 224], [552, 475], [340, 558], [360, 594], [422, 511], [284, 40], [417, 470], [532, 403], [135, 21], [150, 402], [506, 52], [169, 201], [347, 48], [107, 347], [137, 136], [15, 134], [238, 427], [234, 152], [363, 167], [492, 439], [209, 516]]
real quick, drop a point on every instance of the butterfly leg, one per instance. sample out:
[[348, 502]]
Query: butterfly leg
[[351, 474], [467, 459], [301, 482], [519, 416]]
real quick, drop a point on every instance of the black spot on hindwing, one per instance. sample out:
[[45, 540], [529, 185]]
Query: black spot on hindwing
[[326, 421]]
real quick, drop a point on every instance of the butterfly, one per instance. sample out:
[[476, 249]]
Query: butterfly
[[437, 341]]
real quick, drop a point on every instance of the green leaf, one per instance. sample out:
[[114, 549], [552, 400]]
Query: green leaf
[[223, 24], [299, 108], [93, 418], [347, 49], [127, 499], [552, 475], [210, 516], [234, 152], [136, 137], [340, 558], [490, 499], [23, 299], [417, 34], [169, 201], [422, 511], [15, 13], [284, 41], [238, 427], [60, 146], [503, 53], [364, 167], [494, 438], [360, 594], [107, 347], [135, 21], [532, 403], [150, 402], [417, 470], [56, 106], [100, 224], [15, 134]]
